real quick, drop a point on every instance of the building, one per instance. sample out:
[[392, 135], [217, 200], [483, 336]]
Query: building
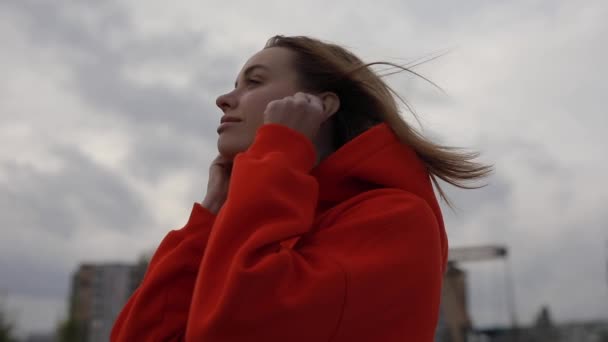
[[99, 292], [111, 288], [455, 324], [454, 320]]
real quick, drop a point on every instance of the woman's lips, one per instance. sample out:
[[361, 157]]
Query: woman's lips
[[227, 118], [225, 125]]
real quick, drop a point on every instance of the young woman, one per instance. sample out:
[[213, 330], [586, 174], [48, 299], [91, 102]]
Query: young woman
[[320, 222]]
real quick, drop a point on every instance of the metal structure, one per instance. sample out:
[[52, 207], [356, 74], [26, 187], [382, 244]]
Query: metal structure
[[478, 253], [455, 284]]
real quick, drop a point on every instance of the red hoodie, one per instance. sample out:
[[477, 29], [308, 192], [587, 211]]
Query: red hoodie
[[352, 250]]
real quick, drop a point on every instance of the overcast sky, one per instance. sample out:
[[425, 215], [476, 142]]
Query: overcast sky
[[107, 127]]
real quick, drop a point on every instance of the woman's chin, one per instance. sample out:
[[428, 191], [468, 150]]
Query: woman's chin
[[228, 151]]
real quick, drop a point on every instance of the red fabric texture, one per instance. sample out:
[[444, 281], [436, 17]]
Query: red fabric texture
[[351, 250]]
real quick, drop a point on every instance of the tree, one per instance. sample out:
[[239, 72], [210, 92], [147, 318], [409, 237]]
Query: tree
[[6, 328], [69, 331]]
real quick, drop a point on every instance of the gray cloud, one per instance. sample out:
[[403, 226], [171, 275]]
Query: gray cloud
[[101, 46], [62, 202]]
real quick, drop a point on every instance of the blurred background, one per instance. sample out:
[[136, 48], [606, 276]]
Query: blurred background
[[107, 128]]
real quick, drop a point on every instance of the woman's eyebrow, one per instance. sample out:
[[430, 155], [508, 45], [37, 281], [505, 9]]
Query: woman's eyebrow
[[250, 69]]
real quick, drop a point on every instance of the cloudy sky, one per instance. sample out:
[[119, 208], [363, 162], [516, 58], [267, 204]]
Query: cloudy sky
[[107, 127]]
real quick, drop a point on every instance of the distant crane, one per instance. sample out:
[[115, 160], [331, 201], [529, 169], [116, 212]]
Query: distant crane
[[477, 253], [455, 286]]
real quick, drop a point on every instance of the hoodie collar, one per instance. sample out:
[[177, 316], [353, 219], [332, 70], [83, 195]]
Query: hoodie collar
[[374, 159]]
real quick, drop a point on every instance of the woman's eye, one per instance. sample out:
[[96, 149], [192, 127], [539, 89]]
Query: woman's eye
[[252, 81]]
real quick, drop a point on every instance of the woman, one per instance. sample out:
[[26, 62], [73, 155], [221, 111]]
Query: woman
[[320, 221]]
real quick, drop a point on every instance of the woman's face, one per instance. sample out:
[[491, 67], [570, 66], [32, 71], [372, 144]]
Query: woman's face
[[267, 76]]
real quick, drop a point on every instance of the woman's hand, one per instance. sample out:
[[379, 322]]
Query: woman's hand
[[218, 183], [301, 112]]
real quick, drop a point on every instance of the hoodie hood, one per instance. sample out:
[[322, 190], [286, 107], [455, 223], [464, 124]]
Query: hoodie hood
[[375, 159]]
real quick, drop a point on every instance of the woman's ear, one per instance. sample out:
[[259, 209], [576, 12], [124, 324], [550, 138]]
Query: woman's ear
[[331, 103]]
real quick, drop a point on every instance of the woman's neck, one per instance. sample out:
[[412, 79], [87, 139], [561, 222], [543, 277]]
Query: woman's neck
[[324, 142]]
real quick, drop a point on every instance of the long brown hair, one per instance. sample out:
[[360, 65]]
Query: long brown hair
[[366, 100]]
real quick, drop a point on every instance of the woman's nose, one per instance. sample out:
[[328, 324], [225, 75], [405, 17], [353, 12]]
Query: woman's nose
[[225, 102]]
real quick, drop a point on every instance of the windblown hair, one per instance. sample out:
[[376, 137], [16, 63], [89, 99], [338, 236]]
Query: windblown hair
[[366, 100]]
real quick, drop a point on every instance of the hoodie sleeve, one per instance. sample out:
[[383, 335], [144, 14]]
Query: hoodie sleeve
[[163, 298], [248, 281], [252, 286]]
